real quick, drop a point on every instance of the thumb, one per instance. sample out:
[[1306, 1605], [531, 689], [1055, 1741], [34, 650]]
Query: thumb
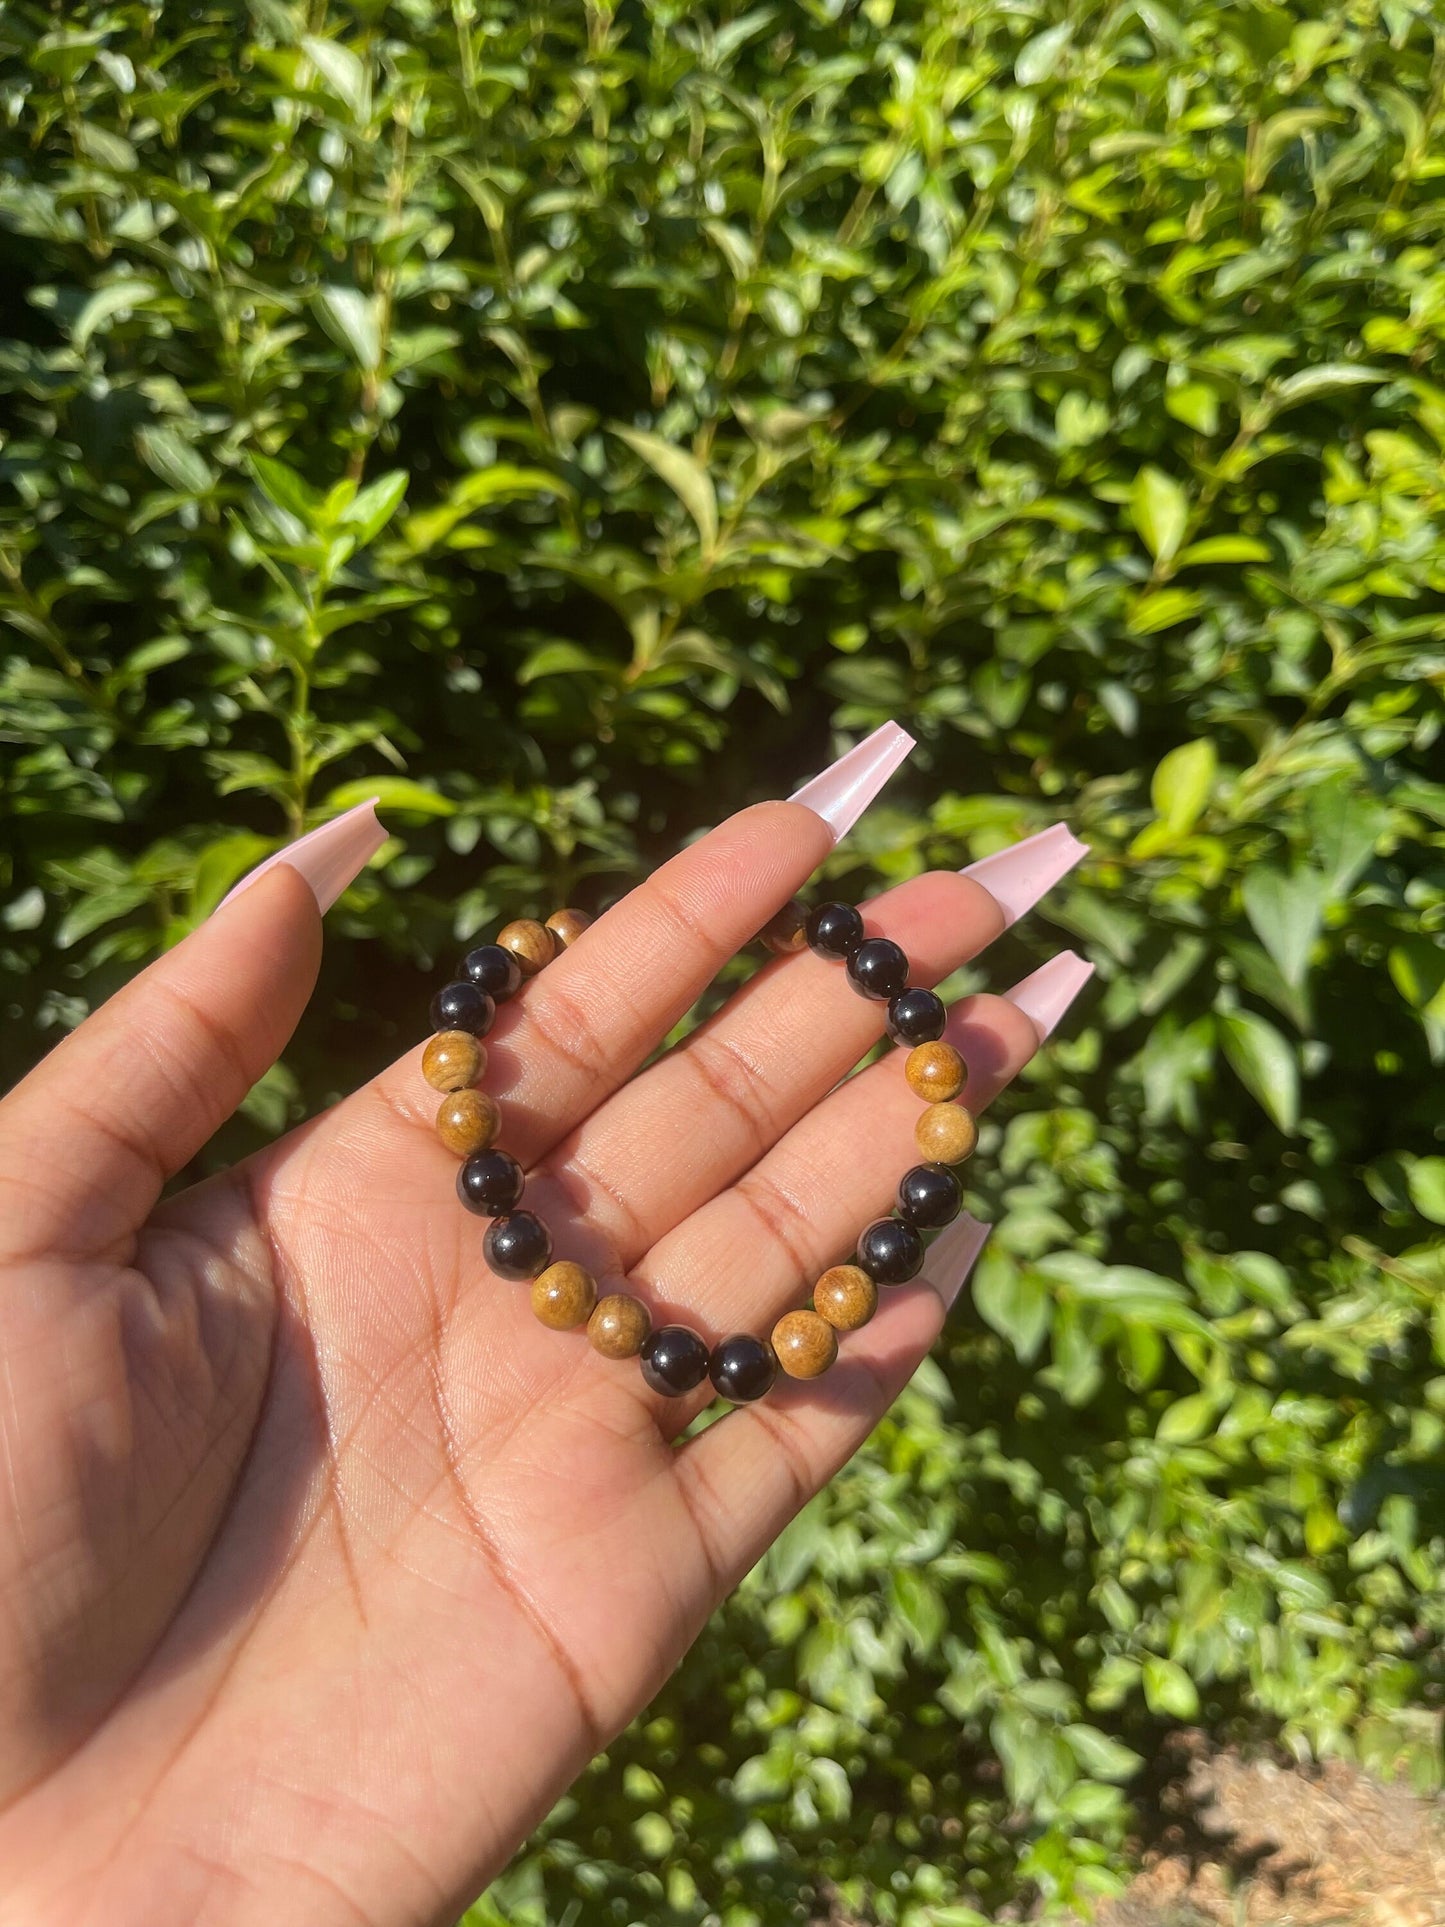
[[89, 1138]]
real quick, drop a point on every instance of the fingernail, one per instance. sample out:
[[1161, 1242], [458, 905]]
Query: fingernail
[[953, 1255], [1047, 993], [328, 858], [1017, 877], [842, 793]]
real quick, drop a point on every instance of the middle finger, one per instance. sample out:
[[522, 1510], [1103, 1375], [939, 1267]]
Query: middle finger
[[710, 1108]]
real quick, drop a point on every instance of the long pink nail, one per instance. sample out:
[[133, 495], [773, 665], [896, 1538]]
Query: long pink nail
[[328, 858], [1017, 877], [1047, 993], [953, 1255], [843, 791]]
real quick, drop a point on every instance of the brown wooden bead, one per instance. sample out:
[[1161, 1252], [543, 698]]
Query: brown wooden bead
[[619, 1325], [468, 1121], [945, 1133], [806, 1344], [530, 942], [936, 1072], [567, 926], [452, 1060], [564, 1295], [846, 1296], [788, 930]]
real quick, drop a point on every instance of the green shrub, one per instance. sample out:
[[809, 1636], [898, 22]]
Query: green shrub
[[569, 422]]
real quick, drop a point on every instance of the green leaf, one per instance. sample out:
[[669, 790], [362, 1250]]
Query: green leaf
[[1187, 1419], [286, 489], [1168, 1689], [1286, 909], [1102, 1756], [1160, 512], [1014, 1299], [1427, 1188], [1182, 784], [1223, 548], [174, 459], [390, 793], [1263, 1063], [344, 73], [1196, 404], [1162, 609], [1327, 379], [684, 475], [1039, 58], [375, 505], [109, 300], [353, 320], [1080, 419]]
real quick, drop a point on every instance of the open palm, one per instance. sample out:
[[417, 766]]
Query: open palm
[[323, 1566]]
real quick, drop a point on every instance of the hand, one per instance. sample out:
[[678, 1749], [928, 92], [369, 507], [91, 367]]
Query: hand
[[324, 1567]]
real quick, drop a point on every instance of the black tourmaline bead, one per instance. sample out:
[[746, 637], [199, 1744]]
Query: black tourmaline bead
[[490, 1183], [890, 1251], [834, 930], [517, 1246], [462, 1006], [492, 969], [929, 1195], [674, 1360], [878, 969], [742, 1367], [917, 1016]]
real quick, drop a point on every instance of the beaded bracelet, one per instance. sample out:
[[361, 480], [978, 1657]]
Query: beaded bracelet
[[675, 1359]]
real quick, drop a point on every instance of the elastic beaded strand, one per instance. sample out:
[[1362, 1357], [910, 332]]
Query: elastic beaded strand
[[674, 1359]]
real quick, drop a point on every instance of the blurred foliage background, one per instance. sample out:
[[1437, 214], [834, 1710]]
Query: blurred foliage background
[[569, 422]]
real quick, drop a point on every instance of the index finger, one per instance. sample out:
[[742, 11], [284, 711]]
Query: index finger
[[584, 1025]]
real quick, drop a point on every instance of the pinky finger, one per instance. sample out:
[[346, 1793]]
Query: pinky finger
[[746, 1476]]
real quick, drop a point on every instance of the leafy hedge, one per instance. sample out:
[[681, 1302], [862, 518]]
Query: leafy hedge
[[570, 422]]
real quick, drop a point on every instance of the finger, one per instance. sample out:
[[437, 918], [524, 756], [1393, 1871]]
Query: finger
[[754, 1251], [709, 1109], [89, 1138], [584, 1025], [744, 1478]]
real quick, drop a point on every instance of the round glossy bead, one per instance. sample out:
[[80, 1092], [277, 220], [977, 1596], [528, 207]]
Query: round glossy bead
[[929, 1195], [742, 1368], [517, 1246], [674, 1360], [490, 1183], [563, 1296], [805, 1344], [787, 931], [846, 1296], [916, 1016], [530, 942], [567, 926], [494, 970], [891, 1252], [834, 930], [618, 1326], [462, 1006], [945, 1133], [878, 968], [468, 1121], [935, 1072], [452, 1060]]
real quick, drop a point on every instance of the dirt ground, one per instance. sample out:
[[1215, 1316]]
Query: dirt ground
[[1250, 1843]]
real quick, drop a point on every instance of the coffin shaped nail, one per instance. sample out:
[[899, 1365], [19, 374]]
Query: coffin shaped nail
[[1047, 993], [1017, 877], [953, 1255], [844, 790], [329, 857]]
